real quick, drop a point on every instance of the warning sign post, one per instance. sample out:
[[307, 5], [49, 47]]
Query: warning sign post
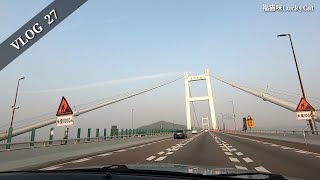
[[64, 113], [249, 122], [304, 110]]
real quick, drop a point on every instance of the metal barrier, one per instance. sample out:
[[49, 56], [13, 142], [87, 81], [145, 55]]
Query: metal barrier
[[59, 142], [280, 131]]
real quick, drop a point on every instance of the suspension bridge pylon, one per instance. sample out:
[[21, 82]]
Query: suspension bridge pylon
[[206, 77]]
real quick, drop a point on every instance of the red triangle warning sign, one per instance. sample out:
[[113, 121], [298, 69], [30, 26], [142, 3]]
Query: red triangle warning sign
[[304, 105], [64, 108]]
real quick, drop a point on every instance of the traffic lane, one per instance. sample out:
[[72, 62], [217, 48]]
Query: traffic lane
[[306, 147], [130, 155], [201, 151], [276, 159]]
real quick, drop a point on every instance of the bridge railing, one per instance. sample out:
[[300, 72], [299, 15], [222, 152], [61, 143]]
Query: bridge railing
[[280, 131], [60, 142]]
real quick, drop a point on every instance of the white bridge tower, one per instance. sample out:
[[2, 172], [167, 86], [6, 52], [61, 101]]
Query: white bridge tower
[[206, 77]]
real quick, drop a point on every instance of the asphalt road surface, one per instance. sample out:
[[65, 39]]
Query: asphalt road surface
[[215, 150]]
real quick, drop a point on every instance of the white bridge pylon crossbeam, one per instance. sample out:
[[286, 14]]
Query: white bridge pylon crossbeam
[[205, 123], [206, 77]]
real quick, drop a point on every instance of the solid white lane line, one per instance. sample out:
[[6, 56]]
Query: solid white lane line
[[248, 160], [234, 159], [241, 167], [105, 154], [261, 169], [150, 158], [266, 143], [160, 152], [142, 145], [275, 145], [51, 168], [228, 153], [168, 153], [239, 153], [122, 150], [81, 160], [160, 158]]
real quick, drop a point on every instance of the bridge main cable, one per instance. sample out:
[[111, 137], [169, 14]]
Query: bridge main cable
[[50, 121], [267, 97]]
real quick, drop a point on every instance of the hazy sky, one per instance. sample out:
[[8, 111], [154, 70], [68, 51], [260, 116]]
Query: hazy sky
[[111, 47]]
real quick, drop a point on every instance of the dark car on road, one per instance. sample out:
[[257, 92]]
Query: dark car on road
[[180, 134]]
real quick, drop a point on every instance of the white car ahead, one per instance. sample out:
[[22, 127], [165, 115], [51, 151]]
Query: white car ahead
[[194, 132]]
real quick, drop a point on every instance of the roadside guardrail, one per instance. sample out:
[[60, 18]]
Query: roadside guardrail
[[59, 142]]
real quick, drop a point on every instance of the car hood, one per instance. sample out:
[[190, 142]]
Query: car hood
[[203, 170]]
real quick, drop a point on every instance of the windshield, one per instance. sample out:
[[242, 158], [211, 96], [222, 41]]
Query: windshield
[[214, 84]]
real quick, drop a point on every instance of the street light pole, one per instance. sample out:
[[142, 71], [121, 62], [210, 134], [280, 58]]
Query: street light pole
[[223, 125], [9, 137], [15, 101], [132, 118], [295, 60], [301, 86], [234, 116]]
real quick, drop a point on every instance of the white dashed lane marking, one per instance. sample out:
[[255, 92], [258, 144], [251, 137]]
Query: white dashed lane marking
[[150, 158], [248, 160], [303, 152], [234, 159], [228, 148], [261, 169], [285, 147], [241, 167], [133, 147], [81, 160], [160, 152], [276, 145], [160, 158], [168, 153]]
